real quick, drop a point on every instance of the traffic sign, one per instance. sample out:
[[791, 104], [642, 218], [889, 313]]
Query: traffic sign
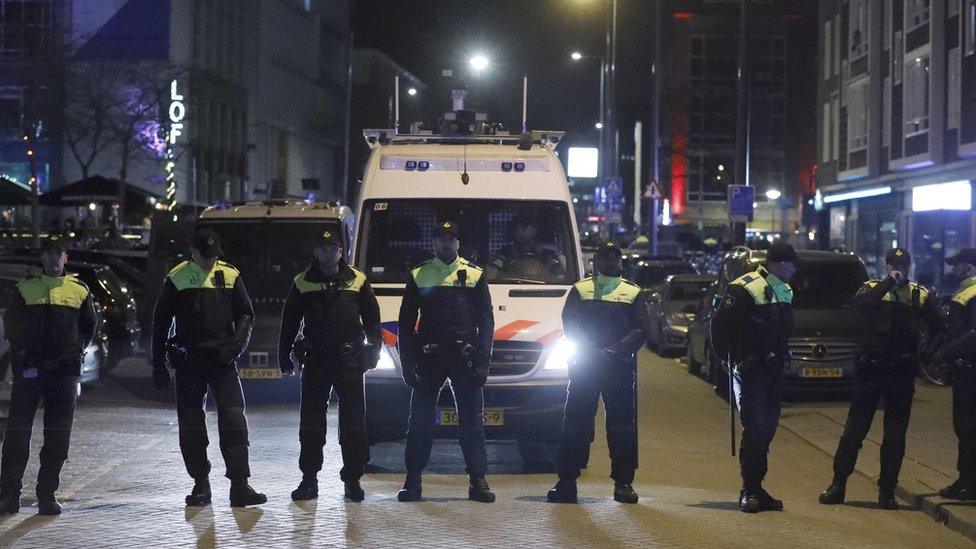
[[615, 194], [740, 199], [653, 191]]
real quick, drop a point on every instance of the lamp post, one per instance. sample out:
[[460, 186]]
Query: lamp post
[[602, 118]]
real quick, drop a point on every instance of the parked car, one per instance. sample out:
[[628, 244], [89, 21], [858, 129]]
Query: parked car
[[650, 272], [672, 309], [698, 350], [826, 328], [115, 304]]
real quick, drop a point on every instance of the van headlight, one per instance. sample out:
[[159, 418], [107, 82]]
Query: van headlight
[[386, 361], [560, 355]]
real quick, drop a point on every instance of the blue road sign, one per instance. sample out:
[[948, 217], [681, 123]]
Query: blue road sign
[[740, 201], [615, 194]]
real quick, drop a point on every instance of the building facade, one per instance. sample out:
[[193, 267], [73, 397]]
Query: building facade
[[897, 128], [699, 109], [204, 100]]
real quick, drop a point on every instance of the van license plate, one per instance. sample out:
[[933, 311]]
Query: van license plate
[[494, 417], [823, 372], [260, 373]]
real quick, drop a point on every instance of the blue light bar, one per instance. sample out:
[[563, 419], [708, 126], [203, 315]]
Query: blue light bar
[[851, 195], [410, 165], [423, 165], [506, 166], [520, 166]]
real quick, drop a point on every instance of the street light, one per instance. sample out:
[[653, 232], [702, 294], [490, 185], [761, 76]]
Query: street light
[[773, 194], [478, 63], [576, 56], [412, 91], [598, 125]]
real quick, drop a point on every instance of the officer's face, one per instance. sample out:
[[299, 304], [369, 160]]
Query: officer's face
[[609, 264], [525, 233], [961, 270], [202, 261], [446, 246], [53, 260], [786, 271], [901, 267], [328, 254]]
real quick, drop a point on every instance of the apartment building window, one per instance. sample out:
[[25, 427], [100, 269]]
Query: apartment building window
[[969, 25], [825, 130], [953, 8], [954, 92], [916, 93], [916, 13], [828, 42], [898, 62], [888, 18], [835, 134], [857, 115], [886, 113], [857, 37], [837, 57], [26, 28]]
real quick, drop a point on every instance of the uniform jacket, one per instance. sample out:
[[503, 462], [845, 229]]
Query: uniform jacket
[[895, 317], [51, 320], [755, 317], [961, 326], [604, 311], [445, 303], [330, 312], [203, 308]]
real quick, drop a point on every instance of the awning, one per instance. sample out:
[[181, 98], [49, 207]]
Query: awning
[[100, 190], [13, 193]]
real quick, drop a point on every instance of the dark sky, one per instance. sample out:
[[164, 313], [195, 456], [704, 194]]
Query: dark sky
[[532, 37]]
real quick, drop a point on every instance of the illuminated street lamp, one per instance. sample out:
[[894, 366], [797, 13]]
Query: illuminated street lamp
[[773, 194], [598, 125], [478, 63], [576, 56], [412, 91]]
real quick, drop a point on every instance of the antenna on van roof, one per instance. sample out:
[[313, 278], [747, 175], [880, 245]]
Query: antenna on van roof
[[396, 102], [525, 101]]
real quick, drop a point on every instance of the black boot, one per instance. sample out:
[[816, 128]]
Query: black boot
[[478, 490], [200, 495], [768, 502], [960, 490], [748, 501], [354, 491], [48, 505], [412, 489], [10, 504], [563, 492], [834, 494], [886, 499], [307, 489], [624, 493], [242, 495]]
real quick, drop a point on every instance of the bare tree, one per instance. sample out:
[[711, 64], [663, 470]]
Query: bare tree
[[87, 128]]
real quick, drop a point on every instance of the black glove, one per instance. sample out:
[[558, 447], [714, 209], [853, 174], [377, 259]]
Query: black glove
[[161, 377], [410, 378], [480, 364], [369, 356]]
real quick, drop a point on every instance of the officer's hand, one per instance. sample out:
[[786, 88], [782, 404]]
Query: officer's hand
[[410, 378], [227, 354], [161, 377], [898, 277], [481, 376]]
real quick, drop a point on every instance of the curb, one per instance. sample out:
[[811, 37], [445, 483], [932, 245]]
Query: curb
[[933, 506]]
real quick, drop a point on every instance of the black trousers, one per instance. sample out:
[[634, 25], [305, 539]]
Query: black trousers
[[617, 384], [758, 391], [964, 421], [58, 393], [194, 381], [897, 387], [317, 384], [469, 398]]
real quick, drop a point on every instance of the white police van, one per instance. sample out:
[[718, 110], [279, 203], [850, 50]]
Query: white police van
[[483, 180]]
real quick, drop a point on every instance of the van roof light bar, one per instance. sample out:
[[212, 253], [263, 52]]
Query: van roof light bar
[[378, 137]]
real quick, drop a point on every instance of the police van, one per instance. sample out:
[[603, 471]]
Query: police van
[[269, 242], [487, 182]]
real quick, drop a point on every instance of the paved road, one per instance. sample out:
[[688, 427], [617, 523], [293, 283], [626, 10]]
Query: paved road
[[124, 486]]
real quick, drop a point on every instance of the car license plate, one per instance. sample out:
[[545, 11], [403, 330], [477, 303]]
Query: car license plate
[[823, 372], [493, 416], [260, 373]]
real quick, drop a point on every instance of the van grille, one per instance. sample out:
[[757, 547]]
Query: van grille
[[822, 350], [514, 358]]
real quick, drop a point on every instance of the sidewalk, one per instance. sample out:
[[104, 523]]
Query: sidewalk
[[930, 460]]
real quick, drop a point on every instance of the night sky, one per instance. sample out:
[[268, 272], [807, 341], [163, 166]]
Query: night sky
[[532, 37]]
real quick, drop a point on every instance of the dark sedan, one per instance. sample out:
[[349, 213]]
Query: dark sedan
[[672, 309], [650, 272]]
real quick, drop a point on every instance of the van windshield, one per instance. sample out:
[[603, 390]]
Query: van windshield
[[268, 254], [826, 285], [516, 241]]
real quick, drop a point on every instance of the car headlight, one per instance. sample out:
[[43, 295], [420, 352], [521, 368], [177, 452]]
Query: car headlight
[[560, 355], [386, 361]]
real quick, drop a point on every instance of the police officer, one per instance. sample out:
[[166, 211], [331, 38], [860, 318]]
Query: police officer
[[49, 322], [896, 311], [205, 305], [753, 326], [452, 341], [961, 350], [334, 308], [605, 316], [526, 246]]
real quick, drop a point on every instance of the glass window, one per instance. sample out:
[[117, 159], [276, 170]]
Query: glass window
[[857, 37], [269, 255], [935, 236], [398, 234], [826, 284], [916, 13], [857, 115], [916, 94], [969, 25], [825, 132], [828, 39], [952, 114], [898, 61], [835, 139]]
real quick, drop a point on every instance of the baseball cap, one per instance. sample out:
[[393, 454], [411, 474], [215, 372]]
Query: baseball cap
[[54, 243], [965, 255], [446, 228], [207, 242], [609, 248], [781, 251], [329, 236], [897, 256]]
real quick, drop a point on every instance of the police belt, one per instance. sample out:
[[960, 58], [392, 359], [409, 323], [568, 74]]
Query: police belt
[[450, 351]]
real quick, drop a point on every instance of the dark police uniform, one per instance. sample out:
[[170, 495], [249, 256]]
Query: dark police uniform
[[213, 315], [887, 361], [49, 322], [606, 318], [452, 340], [961, 349], [508, 255], [753, 323], [340, 320]]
